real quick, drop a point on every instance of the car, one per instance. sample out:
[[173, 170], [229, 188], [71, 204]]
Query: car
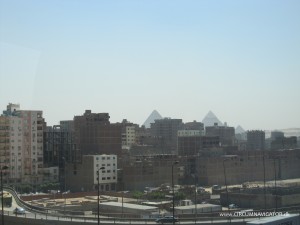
[[19, 211], [166, 219], [233, 206]]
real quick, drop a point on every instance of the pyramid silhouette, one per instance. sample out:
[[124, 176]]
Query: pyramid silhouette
[[210, 119], [239, 130], [153, 116]]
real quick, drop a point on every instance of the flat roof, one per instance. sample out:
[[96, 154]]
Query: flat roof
[[199, 206], [272, 218], [129, 205]]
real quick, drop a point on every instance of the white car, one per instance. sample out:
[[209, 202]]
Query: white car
[[19, 211]]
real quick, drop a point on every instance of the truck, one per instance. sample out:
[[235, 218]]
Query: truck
[[288, 219]]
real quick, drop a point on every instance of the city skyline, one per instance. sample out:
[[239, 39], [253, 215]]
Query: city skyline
[[182, 58]]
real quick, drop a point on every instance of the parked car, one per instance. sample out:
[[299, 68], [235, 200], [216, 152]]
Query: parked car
[[19, 211], [233, 206], [166, 219]]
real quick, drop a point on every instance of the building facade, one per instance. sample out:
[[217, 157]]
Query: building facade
[[24, 154], [94, 134], [83, 176], [226, 134], [165, 130], [255, 140]]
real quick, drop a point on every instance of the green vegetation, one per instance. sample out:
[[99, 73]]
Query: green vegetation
[[137, 194], [48, 186]]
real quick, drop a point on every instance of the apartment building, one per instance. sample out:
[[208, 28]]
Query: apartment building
[[83, 176], [165, 130], [243, 166], [149, 171], [255, 140], [24, 153], [225, 133], [192, 142], [94, 134]]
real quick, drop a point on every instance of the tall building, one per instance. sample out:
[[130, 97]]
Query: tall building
[[94, 134], [24, 155], [59, 147], [166, 131], [129, 134], [192, 143], [255, 140], [226, 134], [4, 141]]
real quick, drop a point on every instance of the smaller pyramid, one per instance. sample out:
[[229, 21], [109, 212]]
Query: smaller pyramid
[[153, 116], [239, 130], [210, 119]]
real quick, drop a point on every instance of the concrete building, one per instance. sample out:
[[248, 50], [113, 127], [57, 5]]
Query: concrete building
[[192, 144], [199, 208], [149, 171], [166, 131], [24, 154], [284, 143], [94, 134], [276, 134], [128, 209], [259, 198], [83, 176], [59, 147], [194, 126], [255, 140], [129, 134], [5, 142], [242, 166], [225, 133]]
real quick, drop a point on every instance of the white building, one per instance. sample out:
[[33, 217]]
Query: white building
[[108, 175], [128, 136], [84, 177]]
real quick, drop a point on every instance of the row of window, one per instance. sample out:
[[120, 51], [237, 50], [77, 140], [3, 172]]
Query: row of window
[[105, 158], [108, 164], [108, 171], [108, 178]]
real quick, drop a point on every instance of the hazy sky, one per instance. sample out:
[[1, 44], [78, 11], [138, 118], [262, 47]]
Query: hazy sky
[[240, 59]]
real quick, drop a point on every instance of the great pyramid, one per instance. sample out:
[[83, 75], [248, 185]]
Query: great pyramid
[[210, 119], [239, 130], [153, 116]]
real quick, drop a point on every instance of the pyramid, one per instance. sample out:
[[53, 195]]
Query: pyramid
[[153, 116], [239, 130], [210, 119]]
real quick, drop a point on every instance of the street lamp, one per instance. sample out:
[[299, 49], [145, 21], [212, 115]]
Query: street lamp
[[275, 184], [101, 168], [174, 163], [265, 197], [120, 174], [3, 168], [227, 203]]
